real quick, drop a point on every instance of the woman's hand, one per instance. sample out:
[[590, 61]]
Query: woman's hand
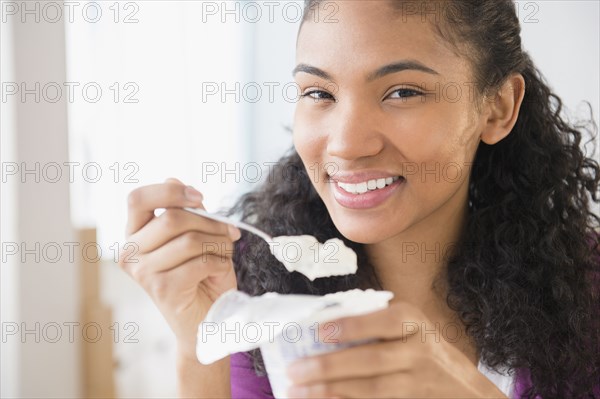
[[405, 362], [182, 260]]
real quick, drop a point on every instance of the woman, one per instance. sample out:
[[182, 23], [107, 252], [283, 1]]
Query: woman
[[487, 226]]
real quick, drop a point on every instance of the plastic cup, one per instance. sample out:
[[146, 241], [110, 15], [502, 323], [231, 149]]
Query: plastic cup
[[295, 342], [295, 320]]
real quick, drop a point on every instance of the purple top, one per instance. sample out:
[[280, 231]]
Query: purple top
[[245, 384], [244, 381]]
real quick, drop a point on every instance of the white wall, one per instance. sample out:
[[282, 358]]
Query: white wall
[[168, 51], [39, 293], [9, 279], [275, 53], [563, 38]]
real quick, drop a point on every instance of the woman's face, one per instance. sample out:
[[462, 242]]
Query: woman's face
[[368, 120]]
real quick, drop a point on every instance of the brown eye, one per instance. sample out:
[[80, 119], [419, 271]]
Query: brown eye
[[405, 93], [318, 95]]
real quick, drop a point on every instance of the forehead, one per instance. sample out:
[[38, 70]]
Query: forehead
[[361, 35]]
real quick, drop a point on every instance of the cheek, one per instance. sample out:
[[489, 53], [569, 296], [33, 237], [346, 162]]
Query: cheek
[[442, 134], [306, 144], [437, 148], [309, 145]]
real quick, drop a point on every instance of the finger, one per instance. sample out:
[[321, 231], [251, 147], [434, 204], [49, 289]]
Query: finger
[[429, 384], [398, 320], [382, 358], [185, 247], [144, 200], [174, 181], [395, 385], [172, 223], [169, 285], [128, 255]]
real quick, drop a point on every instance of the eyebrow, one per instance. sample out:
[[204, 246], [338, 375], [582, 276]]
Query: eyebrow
[[379, 73]]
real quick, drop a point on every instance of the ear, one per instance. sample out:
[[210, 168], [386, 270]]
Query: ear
[[504, 109]]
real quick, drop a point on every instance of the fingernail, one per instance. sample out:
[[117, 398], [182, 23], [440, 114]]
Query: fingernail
[[234, 232], [193, 195]]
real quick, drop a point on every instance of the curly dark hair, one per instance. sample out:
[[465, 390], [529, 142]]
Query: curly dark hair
[[525, 279]]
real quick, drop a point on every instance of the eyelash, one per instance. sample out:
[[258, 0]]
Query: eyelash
[[416, 92], [308, 94], [413, 91]]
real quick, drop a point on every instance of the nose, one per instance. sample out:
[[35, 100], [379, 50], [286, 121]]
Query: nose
[[354, 132]]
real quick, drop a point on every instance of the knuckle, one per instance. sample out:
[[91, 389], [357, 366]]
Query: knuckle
[[123, 263], [126, 259], [138, 273], [134, 199], [170, 220], [211, 246], [191, 241], [174, 191], [173, 180], [122, 260]]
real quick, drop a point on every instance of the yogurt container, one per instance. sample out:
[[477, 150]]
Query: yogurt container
[[284, 327]]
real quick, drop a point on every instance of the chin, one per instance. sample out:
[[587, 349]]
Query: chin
[[363, 230], [362, 226], [359, 236]]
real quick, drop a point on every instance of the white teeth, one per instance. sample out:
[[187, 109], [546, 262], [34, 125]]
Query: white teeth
[[363, 187], [351, 188]]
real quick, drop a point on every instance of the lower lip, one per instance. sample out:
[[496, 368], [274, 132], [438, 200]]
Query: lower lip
[[370, 199]]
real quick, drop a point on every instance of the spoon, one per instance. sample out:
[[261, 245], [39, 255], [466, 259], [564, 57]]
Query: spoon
[[310, 263], [224, 219]]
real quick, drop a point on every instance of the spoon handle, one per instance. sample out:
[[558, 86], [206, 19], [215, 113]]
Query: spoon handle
[[224, 219]]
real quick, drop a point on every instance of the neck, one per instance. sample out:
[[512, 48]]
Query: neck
[[409, 263]]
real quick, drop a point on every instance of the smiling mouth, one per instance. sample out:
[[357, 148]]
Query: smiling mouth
[[367, 186]]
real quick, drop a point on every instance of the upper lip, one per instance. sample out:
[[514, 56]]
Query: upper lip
[[359, 176]]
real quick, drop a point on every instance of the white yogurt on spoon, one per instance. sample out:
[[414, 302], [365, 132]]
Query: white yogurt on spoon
[[303, 253], [306, 255]]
